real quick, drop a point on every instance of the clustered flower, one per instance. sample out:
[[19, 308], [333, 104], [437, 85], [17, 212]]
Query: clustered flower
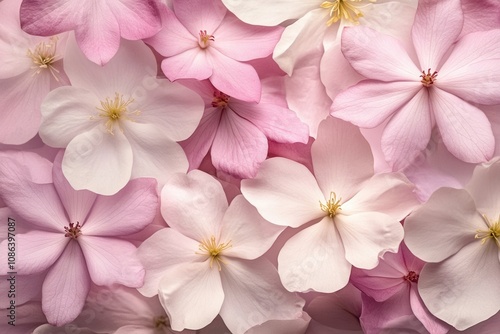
[[249, 167]]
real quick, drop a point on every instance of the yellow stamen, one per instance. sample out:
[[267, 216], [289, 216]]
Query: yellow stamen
[[332, 206], [115, 110], [344, 9], [214, 250], [492, 233], [44, 56]]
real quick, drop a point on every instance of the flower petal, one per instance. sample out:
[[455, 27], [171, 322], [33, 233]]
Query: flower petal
[[341, 157], [431, 323], [98, 161], [436, 27], [65, 287], [198, 15], [253, 295], [284, 192], [443, 225], [465, 129], [191, 64], [191, 294], [194, 204], [484, 187], [369, 103], [41, 18], [313, 259], [137, 20], [112, 261], [367, 235], [462, 290], [239, 147], [408, 132], [377, 56]]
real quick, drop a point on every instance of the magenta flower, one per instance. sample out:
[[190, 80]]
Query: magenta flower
[[98, 25], [441, 89], [202, 40], [75, 236]]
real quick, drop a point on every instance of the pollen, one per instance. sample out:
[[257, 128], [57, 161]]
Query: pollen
[[214, 250], [344, 9], [493, 231], [332, 206], [428, 78], [205, 39], [44, 56], [220, 99], [73, 231], [161, 322], [411, 277], [116, 110]]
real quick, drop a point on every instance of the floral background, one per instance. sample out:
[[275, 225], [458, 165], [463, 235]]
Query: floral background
[[230, 166]]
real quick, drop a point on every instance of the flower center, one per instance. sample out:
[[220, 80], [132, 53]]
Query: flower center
[[161, 322], [205, 39], [493, 231], [213, 249], [347, 9], [332, 206], [220, 99], [114, 110], [44, 56], [428, 78], [73, 231], [411, 277]]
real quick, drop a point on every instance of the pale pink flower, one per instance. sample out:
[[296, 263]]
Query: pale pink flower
[[119, 122], [237, 132], [355, 214], [76, 236], [31, 67], [209, 262], [457, 232], [441, 89], [98, 25], [390, 295], [202, 40]]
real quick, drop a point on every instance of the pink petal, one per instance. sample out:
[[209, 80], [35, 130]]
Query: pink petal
[[369, 103], [313, 259], [462, 290], [277, 123], [250, 300], [284, 192], [65, 287], [191, 294], [367, 235], [244, 42], [98, 161], [191, 64], [250, 234], [449, 214], [236, 79], [137, 19], [45, 18], [436, 27], [128, 211], [351, 164], [35, 252], [431, 323], [465, 129], [471, 72], [408, 132], [198, 15], [28, 287], [377, 56], [194, 204], [480, 15], [239, 147], [484, 187], [111, 261], [162, 250]]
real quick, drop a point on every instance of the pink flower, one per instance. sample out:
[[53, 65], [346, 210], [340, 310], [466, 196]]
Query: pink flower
[[354, 214], [31, 67], [76, 236], [390, 295], [98, 25], [237, 132], [451, 76], [210, 262], [202, 40], [458, 233]]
